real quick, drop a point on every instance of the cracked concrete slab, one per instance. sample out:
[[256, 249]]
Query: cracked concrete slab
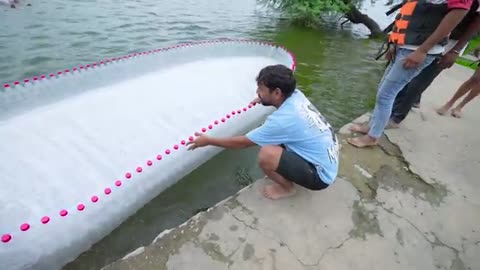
[[411, 203]]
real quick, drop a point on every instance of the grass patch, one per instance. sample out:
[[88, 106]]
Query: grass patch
[[466, 63], [474, 43]]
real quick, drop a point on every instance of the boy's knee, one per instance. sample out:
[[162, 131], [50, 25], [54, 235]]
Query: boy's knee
[[269, 156]]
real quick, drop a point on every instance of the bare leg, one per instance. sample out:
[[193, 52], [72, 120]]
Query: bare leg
[[360, 128], [464, 88], [269, 158], [457, 111]]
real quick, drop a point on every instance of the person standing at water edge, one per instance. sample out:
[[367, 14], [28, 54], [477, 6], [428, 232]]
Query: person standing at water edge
[[457, 44], [297, 144], [419, 36]]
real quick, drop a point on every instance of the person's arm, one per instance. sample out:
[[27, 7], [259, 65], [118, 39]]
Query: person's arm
[[237, 142], [472, 29], [270, 133], [451, 56], [448, 23]]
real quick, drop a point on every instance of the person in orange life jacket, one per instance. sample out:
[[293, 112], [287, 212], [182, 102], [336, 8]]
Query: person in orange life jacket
[[457, 44], [420, 34]]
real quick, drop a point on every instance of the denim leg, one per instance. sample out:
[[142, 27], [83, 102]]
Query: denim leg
[[399, 102], [385, 74], [412, 92], [396, 78]]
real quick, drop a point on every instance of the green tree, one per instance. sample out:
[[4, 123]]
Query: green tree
[[308, 12]]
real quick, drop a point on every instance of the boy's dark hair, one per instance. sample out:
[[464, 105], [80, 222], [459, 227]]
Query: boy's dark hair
[[278, 76]]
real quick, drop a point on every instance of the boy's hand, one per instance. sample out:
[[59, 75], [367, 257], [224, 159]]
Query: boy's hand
[[201, 141], [448, 60], [256, 101], [389, 54], [414, 59]]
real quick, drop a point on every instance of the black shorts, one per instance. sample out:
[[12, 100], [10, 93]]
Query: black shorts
[[296, 169]]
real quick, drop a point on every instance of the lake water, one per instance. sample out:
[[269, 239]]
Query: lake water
[[335, 69]]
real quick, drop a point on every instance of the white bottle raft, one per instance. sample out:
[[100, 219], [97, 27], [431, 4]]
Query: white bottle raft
[[83, 149]]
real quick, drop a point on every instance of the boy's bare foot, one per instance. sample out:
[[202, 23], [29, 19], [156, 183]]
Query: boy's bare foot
[[275, 192], [392, 125], [443, 110], [416, 105], [363, 129], [457, 113], [363, 141]]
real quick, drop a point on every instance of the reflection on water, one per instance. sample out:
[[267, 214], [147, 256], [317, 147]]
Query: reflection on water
[[335, 68]]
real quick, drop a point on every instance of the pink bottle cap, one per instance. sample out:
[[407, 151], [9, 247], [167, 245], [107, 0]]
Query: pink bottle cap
[[128, 175], [167, 151], [6, 238], [26, 80], [233, 112], [204, 129], [139, 169], [63, 213], [216, 122], [25, 227], [183, 142], [6, 85], [228, 115], [17, 82], [175, 147], [118, 183], [250, 106], [43, 76], [94, 199], [210, 126], [45, 220], [149, 163], [59, 72], [35, 78], [159, 157], [244, 109], [66, 70], [52, 75], [107, 191], [80, 207], [190, 138], [239, 111]]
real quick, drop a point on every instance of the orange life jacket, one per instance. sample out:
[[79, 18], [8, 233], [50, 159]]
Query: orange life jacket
[[416, 21]]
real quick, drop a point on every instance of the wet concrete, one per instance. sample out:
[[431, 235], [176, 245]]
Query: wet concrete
[[411, 203]]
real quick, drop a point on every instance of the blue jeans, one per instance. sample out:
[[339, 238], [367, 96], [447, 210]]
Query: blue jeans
[[393, 81], [412, 92]]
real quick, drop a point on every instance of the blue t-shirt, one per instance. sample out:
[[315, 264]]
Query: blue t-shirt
[[299, 126]]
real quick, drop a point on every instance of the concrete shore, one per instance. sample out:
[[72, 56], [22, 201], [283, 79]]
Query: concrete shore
[[411, 203]]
